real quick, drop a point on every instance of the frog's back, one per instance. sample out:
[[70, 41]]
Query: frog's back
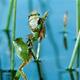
[[21, 49]]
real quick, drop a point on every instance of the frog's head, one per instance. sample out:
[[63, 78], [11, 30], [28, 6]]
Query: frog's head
[[33, 19], [33, 14], [17, 41]]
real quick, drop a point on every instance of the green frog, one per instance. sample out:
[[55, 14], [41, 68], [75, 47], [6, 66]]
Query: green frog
[[36, 24], [25, 50], [24, 53]]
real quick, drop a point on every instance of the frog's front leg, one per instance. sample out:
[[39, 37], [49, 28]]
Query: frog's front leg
[[20, 72]]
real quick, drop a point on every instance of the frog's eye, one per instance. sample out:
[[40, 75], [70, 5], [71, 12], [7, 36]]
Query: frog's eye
[[33, 15], [18, 40]]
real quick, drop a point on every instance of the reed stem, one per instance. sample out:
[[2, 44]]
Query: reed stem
[[78, 27], [77, 30], [65, 29], [78, 2], [37, 61], [38, 49], [39, 70], [74, 51], [9, 15], [13, 35]]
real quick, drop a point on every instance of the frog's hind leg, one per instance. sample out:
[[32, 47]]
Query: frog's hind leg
[[20, 71]]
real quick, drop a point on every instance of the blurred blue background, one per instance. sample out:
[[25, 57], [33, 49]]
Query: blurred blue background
[[54, 57]]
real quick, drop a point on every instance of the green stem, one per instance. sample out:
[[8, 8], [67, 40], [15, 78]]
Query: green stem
[[13, 35], [39, 70], [65, 29], [77, 30], [65, 40], [38, 49], [71, 75], [78, 14], [74, 51], [78, 2], [37, 61], [9, 14]]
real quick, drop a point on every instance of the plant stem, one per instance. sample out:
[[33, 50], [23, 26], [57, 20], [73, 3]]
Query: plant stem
[[65, 29], [65, 40], [13, 35], [77, 30], [39, 70], [37, 61], [71, 75], [74, 51], [78, 2], [9, 14], [78, 14], [38, 49], [7, 33]]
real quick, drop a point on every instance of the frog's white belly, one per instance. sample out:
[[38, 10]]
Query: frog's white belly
[[33, 22]]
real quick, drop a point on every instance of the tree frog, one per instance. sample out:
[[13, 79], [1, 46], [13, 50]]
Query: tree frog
[[36, 24], [25, 50], [24, 53]]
